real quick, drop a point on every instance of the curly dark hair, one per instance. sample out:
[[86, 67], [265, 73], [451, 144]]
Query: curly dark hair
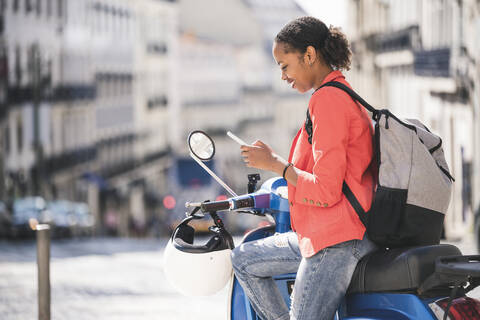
[[331, 43]]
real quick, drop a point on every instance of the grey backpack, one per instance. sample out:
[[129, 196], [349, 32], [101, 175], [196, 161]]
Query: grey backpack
[[413, 186]]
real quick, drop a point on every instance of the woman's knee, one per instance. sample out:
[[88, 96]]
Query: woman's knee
[[238, 258], [243, 256]]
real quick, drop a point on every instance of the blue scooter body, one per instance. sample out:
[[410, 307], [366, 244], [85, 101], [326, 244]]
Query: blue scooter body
[[355, 306]]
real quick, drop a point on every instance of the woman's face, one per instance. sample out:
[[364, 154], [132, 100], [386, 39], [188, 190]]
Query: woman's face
[[296, 68]]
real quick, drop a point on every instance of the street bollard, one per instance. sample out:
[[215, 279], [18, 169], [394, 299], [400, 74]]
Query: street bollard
[[43, 264]]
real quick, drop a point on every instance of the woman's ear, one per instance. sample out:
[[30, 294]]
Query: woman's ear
[[310, 55]]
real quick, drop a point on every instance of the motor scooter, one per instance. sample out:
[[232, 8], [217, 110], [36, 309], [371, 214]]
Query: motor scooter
[[427, 282]]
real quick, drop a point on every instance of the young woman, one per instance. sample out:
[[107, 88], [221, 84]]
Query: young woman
[[328, 238]]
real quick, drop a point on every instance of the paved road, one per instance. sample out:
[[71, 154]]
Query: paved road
[[105, 279], [98, 279]]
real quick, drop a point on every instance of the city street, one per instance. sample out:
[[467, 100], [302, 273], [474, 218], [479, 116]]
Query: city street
[[100, 101], [98, 279], [106, 278]]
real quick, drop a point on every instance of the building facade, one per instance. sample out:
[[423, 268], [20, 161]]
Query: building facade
[[418, 59], [228, 48], [89, 94]]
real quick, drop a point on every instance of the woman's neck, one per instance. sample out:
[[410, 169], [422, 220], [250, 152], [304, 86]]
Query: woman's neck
[[322, 72]]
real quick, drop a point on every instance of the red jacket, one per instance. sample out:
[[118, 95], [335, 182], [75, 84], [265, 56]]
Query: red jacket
[[341, 150]]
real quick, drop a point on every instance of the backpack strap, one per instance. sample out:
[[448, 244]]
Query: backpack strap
[[309, 129], [355, 204], [375, 112], [353, 95]]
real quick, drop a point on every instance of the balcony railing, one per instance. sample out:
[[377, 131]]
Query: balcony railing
[[69, 159], [404, 39], [432, 63], [18, 95]]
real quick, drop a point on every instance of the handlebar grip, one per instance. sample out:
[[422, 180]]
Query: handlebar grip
[[247, 202], [215, 206]]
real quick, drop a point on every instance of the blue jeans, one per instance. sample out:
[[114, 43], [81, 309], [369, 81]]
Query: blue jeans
[[322, 280]]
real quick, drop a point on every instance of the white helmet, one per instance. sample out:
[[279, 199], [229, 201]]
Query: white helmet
[[198, 270]]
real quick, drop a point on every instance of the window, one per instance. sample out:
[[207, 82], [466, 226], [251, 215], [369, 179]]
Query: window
[[28, 6], [19, 134], [18, 66], [7, 139], [39, 7], [15, 5], [59, 8], [49, 8]]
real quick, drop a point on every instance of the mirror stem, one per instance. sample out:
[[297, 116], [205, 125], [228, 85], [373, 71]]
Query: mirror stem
[[210, 172]]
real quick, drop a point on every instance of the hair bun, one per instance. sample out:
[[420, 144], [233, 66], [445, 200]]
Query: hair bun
[[335, 49]]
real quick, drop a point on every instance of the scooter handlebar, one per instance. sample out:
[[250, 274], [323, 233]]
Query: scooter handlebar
[[216, 206], [243, 202], [240, 202]]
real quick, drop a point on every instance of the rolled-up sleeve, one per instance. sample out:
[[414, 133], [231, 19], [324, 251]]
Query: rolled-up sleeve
[[323, 186]]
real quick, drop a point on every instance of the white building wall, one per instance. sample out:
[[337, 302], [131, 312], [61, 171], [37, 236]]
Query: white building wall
[[154, 86], [23, 30], [433, 100], [402, 14], [475, 45], [227, 21], [112, 43]]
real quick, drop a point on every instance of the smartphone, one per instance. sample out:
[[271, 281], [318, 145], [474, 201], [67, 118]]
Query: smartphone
[[236, 139]]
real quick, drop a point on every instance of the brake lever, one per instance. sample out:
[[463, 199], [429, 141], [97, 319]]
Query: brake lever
[[254, 212], [194, 213]]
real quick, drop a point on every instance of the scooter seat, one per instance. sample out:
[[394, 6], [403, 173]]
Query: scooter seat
[[399, 269]]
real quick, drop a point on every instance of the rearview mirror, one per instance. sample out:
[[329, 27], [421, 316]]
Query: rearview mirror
[[201, 145]]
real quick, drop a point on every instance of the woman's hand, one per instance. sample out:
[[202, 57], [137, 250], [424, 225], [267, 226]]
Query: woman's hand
[[261, 156]]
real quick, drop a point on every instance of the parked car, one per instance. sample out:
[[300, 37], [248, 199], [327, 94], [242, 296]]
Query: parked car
[[63, 220], [27, 211], [85, 222], [5, 221]]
